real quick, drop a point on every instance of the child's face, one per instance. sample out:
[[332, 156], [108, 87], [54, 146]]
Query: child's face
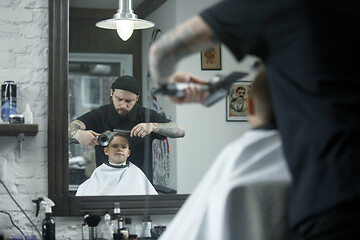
[[117, 150]]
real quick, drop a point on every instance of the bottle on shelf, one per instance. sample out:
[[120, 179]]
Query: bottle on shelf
[[107, 228], [48, 224], [146, 227], [118, 223], [28, 115], [117, 219]]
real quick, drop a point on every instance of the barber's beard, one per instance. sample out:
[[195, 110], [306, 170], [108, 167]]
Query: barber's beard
[[116, 118]]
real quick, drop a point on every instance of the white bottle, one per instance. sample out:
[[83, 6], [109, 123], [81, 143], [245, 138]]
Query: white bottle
[[146, 227], [107, 228], [28, 116]]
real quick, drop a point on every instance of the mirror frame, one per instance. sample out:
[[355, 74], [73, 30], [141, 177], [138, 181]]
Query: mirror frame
[[66, 205]]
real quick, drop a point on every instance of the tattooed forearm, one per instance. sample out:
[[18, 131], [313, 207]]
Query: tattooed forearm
[[171, 130], [74, 127], [190, 37]]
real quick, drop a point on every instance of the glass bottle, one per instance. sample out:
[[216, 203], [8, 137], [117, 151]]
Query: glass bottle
[[107, 228]]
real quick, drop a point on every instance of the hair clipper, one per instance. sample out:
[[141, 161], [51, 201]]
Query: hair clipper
[[217, 88]]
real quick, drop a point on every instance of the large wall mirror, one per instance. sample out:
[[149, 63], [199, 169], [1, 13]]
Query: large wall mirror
[[58, 148]]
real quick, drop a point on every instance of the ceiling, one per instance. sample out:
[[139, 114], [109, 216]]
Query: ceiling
[[102, 4]]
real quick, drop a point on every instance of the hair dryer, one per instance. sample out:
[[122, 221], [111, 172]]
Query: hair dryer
[[105, 138]]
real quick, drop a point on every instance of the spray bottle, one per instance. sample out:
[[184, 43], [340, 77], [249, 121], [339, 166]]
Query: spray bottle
[[48, 224]]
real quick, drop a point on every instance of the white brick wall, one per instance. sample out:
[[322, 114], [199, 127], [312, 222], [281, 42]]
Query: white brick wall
[[23, 59]]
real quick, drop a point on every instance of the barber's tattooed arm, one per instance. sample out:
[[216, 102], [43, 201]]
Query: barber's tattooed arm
[[74, 127], [77, 130], [190, 37], [171, 130]]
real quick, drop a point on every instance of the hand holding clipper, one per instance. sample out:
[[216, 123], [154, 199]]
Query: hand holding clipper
[[217, 88]]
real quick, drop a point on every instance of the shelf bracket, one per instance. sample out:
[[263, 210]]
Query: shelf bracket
[[20, 139]]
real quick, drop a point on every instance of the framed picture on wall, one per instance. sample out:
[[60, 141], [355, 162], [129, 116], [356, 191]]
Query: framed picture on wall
[[236, 101], [211, 58]]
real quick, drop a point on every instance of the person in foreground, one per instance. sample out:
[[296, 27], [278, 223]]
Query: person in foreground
[[125, 114], [117, 176], [244, 193], [310, 50]]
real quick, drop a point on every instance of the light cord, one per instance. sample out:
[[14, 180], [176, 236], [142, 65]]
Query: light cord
[[21, 208], [1, 211]]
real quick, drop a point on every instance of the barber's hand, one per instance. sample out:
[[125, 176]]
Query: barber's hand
[[87, 138], [192, 93], [141, 130]]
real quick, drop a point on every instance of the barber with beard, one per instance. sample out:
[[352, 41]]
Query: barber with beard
[[123, 112]]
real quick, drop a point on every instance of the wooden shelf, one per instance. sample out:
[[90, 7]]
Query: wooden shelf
[[16, 129]]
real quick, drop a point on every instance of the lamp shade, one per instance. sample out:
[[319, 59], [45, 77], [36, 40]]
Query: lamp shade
[[125, 21], [112, 23]]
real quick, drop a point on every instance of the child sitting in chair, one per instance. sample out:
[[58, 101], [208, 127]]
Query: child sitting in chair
[[117, 176]]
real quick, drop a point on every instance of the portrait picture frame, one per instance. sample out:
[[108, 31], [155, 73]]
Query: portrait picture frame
[[211, 58], [236, 101]]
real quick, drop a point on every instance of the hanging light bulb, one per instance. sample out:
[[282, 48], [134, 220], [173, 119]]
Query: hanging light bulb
[[125, 21], [125, 29]]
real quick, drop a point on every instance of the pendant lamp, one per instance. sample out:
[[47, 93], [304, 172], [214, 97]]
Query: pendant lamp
[[125, 21]]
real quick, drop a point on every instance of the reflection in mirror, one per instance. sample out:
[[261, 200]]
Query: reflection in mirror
[[58, 186], [89, 82]]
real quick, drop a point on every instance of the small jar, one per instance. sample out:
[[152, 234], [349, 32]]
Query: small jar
[[16, 118]]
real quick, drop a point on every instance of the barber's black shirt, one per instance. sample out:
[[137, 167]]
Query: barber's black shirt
[[311, 52]]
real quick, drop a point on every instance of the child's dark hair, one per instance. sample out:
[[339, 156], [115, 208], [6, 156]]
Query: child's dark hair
[[121, 134]]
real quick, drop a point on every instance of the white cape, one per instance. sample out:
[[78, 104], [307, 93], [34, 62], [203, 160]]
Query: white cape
[[108, 180], [242, 196]]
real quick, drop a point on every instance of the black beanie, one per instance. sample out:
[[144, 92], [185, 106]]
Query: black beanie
[[127, 83]]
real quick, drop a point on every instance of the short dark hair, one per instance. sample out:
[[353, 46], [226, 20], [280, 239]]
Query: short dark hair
[[120, 134]]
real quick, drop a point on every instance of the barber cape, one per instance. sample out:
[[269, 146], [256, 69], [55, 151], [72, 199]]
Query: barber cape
[[242, 196], [110, 179]]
